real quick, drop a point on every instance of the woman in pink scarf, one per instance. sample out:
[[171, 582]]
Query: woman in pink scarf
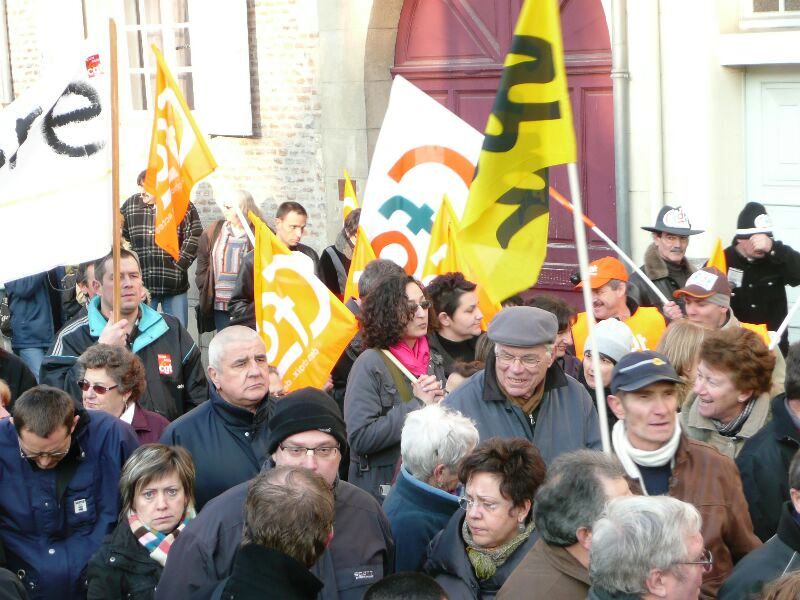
[[380, 390]]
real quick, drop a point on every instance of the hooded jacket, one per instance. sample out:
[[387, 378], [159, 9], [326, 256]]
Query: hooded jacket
[[360, 553], [48, 538], [228, 444], [173, 370]]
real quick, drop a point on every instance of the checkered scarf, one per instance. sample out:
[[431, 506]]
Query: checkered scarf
[[157, 543]]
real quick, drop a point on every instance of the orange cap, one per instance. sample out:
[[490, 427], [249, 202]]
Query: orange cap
[[603, 270]]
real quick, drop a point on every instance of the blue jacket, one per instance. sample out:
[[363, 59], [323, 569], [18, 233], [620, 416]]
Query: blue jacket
[[50, 539], [417, 512], [31, 312]]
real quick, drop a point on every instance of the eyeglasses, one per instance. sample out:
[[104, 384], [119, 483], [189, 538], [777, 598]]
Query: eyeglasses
[[467, 504], [98, 389], [506, 359], [323, 452], [424, 305], [706, 561], [35, 455]]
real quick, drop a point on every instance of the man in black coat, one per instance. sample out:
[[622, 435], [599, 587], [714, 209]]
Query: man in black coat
[[759, 269], [764, 460], [780, 555]]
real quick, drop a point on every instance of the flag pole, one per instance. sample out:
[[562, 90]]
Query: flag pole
[[583, 264], [779, 333], [117, 216]]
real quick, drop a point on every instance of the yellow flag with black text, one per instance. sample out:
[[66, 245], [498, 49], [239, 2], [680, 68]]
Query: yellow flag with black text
[[505, 222]]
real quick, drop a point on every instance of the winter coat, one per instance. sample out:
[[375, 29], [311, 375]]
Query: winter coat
[[260, 572], [148, 425], [566, 421], [760, 296], [779, 556], [764, 467], [122, 568], [547, 572], [228, 444], [657, 271], [35, 307], [48, 538], [449, 564], [374, 412], [175, 379], [700, 428], [16, 374], [11, 587], [417, 511], [710, 481], [359, 555]]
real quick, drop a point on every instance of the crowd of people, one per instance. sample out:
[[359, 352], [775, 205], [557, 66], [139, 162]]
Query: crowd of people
[[438, 462]]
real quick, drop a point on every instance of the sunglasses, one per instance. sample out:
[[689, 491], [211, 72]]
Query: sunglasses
[[424, 305], [98, 389]]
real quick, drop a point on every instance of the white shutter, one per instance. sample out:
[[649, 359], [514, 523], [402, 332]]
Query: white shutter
[[221, 66]]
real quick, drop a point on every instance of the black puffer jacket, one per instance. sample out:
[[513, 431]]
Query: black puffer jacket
[[122, 568]]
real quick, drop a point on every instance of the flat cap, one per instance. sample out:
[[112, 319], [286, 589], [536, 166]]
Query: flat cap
[[523, 327]]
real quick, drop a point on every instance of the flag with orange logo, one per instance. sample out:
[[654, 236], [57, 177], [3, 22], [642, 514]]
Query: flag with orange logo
[[349, 202], [362, 254], [304, 326], [179, 158], [717, 258]]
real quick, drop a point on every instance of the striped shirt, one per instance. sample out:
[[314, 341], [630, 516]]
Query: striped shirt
[[227, 255]]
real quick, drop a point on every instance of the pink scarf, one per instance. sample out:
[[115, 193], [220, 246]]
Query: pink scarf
[[414, 359]]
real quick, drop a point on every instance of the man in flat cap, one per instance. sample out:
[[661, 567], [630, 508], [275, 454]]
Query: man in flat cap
[[665, 261], [523, 392]]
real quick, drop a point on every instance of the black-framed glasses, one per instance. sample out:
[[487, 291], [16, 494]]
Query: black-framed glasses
[[322, 452], [706, 561], [98, 389], [424, 305]]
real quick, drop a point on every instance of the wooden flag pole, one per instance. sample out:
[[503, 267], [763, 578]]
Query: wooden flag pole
[[583, 263], [112, 36]]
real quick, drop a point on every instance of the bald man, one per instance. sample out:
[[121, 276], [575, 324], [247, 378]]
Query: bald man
[[227, 436]]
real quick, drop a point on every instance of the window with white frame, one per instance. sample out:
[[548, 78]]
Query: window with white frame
[[770, 14]]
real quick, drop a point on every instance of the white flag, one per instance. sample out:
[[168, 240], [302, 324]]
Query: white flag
[[55, 169]]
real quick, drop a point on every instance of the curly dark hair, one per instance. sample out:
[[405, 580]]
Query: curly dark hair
[[445, 292], [385, 313], [122, 365], [515, 460], [742, 354]]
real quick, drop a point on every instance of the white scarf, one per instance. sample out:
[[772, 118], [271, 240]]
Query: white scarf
[[631, 457]]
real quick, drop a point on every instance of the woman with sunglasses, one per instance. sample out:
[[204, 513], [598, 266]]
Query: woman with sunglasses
[[396, 374], [157, 490], [112, 380]]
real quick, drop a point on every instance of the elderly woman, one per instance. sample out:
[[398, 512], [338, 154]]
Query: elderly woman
[[681, 345], [222, 247], [731, 395], [396, 374], [112, 380], [483, 543], [157, 490]]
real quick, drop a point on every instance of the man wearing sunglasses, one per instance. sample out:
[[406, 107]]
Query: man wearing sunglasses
[[60, 469]]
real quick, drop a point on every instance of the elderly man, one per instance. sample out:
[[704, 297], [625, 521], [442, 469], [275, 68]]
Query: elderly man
[[424, 496], [578, 486], [609, 282], [60, 472], [307, 430], [648, 548], [777, 556], [227, 436], [665, 261], [522, 392], [659, 459], [173, 369]]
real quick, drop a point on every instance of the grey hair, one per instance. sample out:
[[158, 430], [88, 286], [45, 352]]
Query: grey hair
[[433, 436], [572, 496], [636, 535], [219, 344]]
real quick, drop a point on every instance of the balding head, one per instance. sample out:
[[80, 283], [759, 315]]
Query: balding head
[[238, 368]]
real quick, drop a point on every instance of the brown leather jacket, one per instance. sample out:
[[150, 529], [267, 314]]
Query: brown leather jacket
[[547, 573], [710, 481]]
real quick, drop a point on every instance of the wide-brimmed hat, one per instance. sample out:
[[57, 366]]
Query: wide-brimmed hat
[[673, 220]]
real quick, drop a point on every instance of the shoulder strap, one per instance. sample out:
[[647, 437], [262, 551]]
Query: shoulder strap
[[400, 381], [341, 272]]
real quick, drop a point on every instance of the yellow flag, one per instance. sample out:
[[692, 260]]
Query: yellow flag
[[350, 202], [179, 158], [717, 258], [504, 228], [304, 326], [445, 256], [362, 254]]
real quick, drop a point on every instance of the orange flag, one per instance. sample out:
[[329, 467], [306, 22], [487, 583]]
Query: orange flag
[[350, 202], [717, 258], [362, 254], [304, 326], [179, 158]]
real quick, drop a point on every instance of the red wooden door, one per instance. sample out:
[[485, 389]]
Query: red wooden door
[[454, 50]]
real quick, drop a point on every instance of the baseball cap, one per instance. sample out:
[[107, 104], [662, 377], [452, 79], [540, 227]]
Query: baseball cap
[[639, 369], [705, 283], [603, 270]]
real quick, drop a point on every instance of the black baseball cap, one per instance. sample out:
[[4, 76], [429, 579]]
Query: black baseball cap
[[639, 369]]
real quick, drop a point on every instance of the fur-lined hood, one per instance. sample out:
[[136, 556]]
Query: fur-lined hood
[[655, 267]]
